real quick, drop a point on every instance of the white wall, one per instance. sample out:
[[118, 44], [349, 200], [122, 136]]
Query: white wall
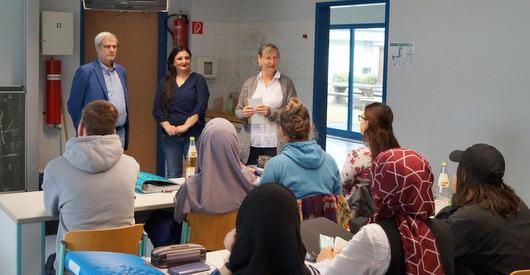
[[52, 140], [469, 82]]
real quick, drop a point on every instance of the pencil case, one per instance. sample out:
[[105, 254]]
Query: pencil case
[[177, 254]]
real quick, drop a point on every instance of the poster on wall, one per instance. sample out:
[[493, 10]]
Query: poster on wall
[[401, 54]]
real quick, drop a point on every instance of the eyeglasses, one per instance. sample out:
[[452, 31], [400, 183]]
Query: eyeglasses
[[110, 46], [361, 118]]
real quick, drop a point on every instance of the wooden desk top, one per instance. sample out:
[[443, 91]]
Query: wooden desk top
[[230, 117]]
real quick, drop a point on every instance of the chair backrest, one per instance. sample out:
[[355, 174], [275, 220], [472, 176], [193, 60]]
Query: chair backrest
[[125, 239], [521, 272], [208, 230]]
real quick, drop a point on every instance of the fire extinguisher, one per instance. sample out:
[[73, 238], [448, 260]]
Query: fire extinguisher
[[53, 92], [180, 29]]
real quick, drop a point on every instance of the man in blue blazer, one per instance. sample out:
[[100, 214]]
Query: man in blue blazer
[[102, 79]]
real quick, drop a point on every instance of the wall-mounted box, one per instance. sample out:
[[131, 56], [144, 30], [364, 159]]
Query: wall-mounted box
[[57, 33], [207, 66]]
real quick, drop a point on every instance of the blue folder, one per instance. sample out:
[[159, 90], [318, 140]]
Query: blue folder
[[98, 262], [149, 183]]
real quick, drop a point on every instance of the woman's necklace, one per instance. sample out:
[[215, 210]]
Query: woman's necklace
[[181, 79]]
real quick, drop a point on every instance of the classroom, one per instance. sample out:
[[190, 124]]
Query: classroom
[[467, 84]]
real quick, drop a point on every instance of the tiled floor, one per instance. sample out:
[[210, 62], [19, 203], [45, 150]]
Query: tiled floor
[[339, 148]]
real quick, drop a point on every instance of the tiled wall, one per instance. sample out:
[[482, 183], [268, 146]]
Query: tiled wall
[[235, 45]]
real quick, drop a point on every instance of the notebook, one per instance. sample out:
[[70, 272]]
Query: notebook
[[98, 262], [150, 183], [312, 229]]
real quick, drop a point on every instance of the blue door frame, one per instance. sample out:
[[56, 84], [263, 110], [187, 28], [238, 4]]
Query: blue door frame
[[320, 75]]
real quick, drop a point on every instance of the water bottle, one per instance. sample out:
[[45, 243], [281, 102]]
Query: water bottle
[[191, 159], [230, 105], [442, 190]]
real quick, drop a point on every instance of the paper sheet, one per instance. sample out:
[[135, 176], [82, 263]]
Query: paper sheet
[[255, 118]]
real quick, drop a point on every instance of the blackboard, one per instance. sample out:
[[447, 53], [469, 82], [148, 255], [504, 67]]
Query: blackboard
[[12, 139]]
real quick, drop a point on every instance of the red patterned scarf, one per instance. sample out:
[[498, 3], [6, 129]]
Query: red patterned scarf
[[401, 187]]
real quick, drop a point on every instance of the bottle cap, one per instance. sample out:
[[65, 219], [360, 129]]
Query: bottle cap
[[193, 138], [444, 163]]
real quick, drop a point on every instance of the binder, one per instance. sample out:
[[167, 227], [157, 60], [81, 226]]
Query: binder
[[99, 262]]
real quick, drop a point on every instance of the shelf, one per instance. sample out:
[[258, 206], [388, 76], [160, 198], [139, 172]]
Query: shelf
[[230, 117]]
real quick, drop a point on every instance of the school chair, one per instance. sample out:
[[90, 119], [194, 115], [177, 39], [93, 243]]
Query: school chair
[[521, 272], [127, 239], [207, 230]]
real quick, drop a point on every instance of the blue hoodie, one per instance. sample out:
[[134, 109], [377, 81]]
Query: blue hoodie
[[305, 169]]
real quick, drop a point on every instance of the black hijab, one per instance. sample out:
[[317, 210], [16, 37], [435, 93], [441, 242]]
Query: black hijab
[[268, 237]]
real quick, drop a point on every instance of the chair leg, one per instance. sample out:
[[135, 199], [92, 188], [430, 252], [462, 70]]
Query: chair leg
[[62, 254], [142, 246], [185, 234]]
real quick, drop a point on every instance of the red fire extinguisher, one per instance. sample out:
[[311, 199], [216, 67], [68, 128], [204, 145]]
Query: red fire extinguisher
[[180, 29], [53, 92]]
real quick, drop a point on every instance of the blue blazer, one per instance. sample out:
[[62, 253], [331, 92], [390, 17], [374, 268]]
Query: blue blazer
[[89, 85]]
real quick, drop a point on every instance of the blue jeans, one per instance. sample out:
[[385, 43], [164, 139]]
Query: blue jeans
[[175, 150]]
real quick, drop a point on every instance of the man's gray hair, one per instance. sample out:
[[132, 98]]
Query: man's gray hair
[[99, 38]]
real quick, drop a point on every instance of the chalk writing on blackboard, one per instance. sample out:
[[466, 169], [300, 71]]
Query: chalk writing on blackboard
[[12, 141]]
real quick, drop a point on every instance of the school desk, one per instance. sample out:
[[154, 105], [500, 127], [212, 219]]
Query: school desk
[[22, 228]]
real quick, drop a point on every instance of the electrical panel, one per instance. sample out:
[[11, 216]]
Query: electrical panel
[[57, 33]]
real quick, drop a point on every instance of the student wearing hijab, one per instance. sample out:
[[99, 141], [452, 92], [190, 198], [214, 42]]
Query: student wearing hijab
[[221, 181], [401, 186], [267, 239], [219, 185]]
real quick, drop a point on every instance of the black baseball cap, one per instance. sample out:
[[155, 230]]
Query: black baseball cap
[[480, 160]]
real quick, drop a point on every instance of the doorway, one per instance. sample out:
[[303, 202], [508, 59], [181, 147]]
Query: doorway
[[350, 55], [137, 34]]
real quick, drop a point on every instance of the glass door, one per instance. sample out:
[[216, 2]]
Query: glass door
[[355, 76], [350, 71]]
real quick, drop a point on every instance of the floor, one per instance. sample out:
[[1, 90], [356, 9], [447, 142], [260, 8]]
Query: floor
[[337, 147]]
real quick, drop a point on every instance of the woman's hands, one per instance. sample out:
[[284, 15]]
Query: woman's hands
[[230, 239], [327, 253], [170, 129], [248, 111], [173, 130]]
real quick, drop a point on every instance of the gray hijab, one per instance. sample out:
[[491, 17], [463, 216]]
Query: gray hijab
[[221, 181]]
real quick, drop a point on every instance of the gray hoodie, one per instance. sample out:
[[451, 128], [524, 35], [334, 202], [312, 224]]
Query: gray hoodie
[[91, 186]]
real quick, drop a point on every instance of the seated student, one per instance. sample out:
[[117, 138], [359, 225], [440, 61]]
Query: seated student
[[267, 237], [303, 166], [376, 127], [401, 186], [490, 223], [91, 186], [219, 185]]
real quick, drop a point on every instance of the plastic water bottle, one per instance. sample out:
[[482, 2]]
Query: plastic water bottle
[[230, 105], [442, 190], [191, 159]]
